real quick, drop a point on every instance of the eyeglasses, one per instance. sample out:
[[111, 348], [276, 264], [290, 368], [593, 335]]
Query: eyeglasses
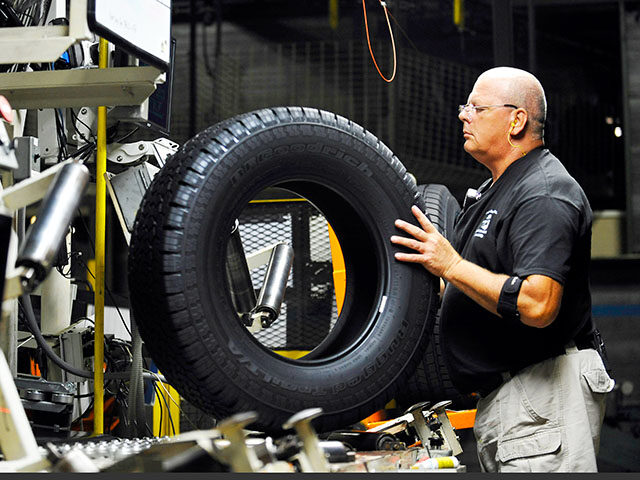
[[478, 108]]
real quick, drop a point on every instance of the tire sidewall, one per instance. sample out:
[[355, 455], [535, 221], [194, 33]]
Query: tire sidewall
[[363, 177]]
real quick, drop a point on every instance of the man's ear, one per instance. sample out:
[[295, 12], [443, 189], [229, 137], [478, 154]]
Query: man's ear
[[518, 123]]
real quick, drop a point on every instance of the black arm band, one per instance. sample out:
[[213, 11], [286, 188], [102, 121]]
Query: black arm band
[[508, 301]]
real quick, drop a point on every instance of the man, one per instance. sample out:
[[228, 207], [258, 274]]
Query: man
[[516, 310]]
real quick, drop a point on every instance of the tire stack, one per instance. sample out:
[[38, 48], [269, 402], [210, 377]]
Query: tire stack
[[431, 380]]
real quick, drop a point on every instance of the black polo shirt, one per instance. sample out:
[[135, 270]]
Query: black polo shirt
[[535, 219]]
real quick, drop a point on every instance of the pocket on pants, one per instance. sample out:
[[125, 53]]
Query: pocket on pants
[[599, 381], [530, 453]]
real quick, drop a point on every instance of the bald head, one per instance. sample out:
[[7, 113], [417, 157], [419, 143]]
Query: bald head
[[519, 87]]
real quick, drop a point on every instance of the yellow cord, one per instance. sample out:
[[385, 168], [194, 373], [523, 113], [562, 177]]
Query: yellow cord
[[101, 204], [523, 152]]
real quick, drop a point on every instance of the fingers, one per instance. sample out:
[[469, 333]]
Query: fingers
[[422, 218], [430, 248], [407, 242], [413, 230], [409, 257]]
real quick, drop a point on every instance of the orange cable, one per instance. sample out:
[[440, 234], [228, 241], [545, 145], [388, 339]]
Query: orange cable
[[393, 44]]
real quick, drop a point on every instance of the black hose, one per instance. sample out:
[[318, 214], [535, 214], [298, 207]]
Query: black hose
[[37, 334]]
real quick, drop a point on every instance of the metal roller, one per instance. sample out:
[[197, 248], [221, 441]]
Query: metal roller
[[43, 240], [275, 282], [240, 284]]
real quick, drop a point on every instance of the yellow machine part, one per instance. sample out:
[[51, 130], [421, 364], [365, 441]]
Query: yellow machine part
[[460, 419], [339, 272], [166, 424]]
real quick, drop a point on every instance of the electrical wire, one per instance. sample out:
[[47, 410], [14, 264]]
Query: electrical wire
[[84, 414], [88, 147], [112, 363], [79, 257], [404, 34], [155, 388], [77, 119], [85, 318], [32, 325], [61, 268], [169, 416], [217, 47], [61, 136], [127, 135], [84, 395], [170, 397], [25, 341], [393, 44]]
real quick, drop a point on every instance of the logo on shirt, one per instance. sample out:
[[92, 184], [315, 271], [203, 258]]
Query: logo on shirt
[[482, 230]]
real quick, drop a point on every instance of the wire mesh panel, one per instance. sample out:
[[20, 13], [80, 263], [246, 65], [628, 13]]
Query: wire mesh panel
[[415, 115], [335, 76], [428, 135], [309, 309]]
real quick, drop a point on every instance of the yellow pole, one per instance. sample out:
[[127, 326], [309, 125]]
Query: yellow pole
[[101, 204], [333, 14], [458, 13]]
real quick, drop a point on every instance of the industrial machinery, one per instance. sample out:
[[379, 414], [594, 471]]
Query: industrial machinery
[[230, 447]]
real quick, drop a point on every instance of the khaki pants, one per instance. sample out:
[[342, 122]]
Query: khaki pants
[[547, 418]]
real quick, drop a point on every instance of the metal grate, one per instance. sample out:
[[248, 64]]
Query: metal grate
[[415, 115], [428, 139], [309, 310], [334, 76]]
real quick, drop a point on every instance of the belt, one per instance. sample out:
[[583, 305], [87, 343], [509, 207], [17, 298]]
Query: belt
[[502, 377]]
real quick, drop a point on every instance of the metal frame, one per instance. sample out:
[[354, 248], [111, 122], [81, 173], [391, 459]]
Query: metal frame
[[47, 43], [87, 87], [18, 444]]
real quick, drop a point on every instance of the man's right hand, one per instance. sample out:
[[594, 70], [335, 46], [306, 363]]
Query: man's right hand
[[435, 253]]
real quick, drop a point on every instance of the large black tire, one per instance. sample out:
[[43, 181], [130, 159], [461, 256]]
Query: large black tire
[[179, 290], [431, 380]]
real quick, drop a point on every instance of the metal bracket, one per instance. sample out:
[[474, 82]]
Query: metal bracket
[[7, 155], [240, 457], [447, 430], [421, 418], [312, 457], [19, 447], [129, 153], [83, 87], [44, 44]]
